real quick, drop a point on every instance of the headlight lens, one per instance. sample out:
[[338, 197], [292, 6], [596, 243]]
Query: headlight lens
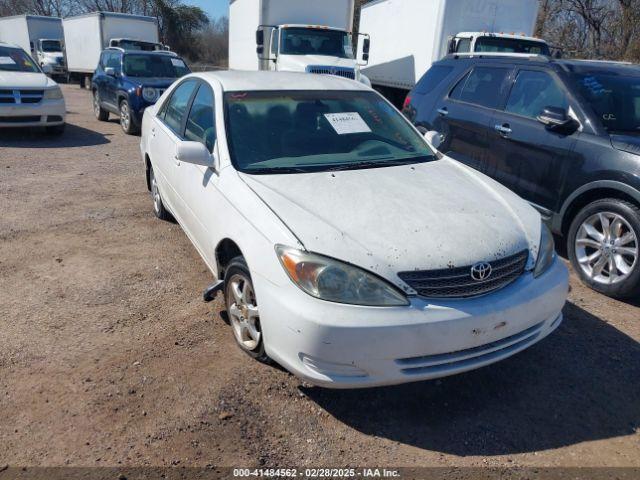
[[546, 253], [150, 94], [53, 93], [328, 279]]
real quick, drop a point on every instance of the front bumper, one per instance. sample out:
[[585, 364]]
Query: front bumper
[[47, 113], [344, 346]]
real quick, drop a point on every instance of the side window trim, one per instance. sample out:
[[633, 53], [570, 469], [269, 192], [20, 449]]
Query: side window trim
[[187, 112]]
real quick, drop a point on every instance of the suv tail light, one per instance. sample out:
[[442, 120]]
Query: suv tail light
[[407, 102]]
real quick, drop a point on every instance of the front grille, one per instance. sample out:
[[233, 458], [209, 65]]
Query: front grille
[[337, 71], [26, 119], [20, 96], [458, 282]]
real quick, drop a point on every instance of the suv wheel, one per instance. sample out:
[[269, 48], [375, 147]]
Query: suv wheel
[[242, 309], [100, 113], [604, 247], [126, 118]]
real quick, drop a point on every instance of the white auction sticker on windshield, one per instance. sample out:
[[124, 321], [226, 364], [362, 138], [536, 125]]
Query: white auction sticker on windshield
[[7, 61], [177, 62], [347, 122]]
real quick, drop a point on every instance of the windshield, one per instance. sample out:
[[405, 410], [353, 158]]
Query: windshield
[[15, 60], [511, 45], [309, 41], [311, 131], [615, 98], [51, 46], [160, 66]]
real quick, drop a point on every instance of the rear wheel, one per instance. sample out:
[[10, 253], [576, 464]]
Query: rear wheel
[[604, 247], [100, 113], [242, 309]]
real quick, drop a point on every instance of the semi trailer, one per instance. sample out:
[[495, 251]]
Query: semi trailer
[[86, 36], [409, 35], [42, 37]]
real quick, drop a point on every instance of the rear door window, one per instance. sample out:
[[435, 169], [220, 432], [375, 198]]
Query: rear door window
[[432, 79], [532, 92], [484, 86]]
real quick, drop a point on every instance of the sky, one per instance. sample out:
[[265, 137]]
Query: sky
[[215, 8]]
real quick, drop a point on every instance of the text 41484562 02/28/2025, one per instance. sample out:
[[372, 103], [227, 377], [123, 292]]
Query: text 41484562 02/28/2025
[[348, 250]]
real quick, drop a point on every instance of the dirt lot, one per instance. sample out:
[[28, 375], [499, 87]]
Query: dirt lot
[[108, 355]]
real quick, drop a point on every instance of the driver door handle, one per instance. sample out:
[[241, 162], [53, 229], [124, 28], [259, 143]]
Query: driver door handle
[[503, 130], [443, 111]]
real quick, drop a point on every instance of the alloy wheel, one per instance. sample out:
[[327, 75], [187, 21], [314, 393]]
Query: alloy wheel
[[243, 312], [155, 193], [606, 248], [125, 116], [96, 104]]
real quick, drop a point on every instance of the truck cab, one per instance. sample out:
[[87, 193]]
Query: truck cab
[[470, 42], [49, 53], [310, 48]]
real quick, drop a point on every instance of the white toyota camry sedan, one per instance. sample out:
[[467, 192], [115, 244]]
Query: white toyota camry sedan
[[347, 249]]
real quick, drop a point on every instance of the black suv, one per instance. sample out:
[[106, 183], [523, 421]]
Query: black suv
[[563, 134]]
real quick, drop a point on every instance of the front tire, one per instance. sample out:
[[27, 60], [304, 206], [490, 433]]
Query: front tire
[[158, 206], [100, 113], [126, 118], [604, 247], [242, 309]]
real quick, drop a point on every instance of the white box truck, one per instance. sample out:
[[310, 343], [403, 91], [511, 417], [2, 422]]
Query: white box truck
[[86, 36], [409, 35], [42, 37], [295, 36]]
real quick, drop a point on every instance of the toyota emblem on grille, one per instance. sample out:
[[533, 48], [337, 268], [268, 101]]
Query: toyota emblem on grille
[[481, 271]]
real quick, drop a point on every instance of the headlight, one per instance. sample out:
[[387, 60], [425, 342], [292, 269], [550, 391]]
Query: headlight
[[150, 94], [53, 93], [546, 251], [335, 281]]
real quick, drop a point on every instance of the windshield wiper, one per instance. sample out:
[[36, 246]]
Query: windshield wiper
[[388, 163], [275, 170]]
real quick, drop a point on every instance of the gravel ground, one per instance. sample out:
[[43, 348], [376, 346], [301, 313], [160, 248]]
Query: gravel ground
[[109, 357]]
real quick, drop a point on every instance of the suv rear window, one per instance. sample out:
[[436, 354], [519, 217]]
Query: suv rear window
[[484, 86], [434, 76]]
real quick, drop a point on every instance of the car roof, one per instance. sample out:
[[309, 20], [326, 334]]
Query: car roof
[[238, 80], [572, 65], [10, 45]]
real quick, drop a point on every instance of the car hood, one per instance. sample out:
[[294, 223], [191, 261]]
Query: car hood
[[303, 61], [153, 82], [23, 80], [626, 143], [428, 216]]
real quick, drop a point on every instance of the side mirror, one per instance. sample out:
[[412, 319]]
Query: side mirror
[[195, 153], [366, 46], [110, 71], [433, 138], [365, 57], [554, 117], [260, 50], [47, 69], [260, 37]]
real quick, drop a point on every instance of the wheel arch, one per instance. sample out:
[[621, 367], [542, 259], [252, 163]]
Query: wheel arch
[[226, 250], [591, 192]]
